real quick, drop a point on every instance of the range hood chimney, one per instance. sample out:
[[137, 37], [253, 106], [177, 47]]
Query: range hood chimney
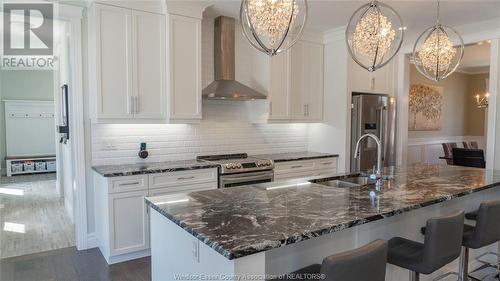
[[225, 87]]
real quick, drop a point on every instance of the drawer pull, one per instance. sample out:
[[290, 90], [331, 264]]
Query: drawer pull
[[185, 178], [129, 183], [297, 166], [327, 163]]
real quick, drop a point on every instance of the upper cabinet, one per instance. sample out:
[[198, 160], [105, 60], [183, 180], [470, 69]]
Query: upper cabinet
[[185, 68], [128, 60], [363, 81], [144, 66], [296, 84]]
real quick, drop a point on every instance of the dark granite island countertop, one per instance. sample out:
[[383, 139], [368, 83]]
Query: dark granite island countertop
[[151, 168], [241, 221], [295, 156]]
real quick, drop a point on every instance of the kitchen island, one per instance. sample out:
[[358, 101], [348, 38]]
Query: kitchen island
[[263, 230]]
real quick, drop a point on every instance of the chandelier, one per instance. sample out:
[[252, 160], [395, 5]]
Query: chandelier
[[273, 26], [438, 51], [482, 100], [374, 35]]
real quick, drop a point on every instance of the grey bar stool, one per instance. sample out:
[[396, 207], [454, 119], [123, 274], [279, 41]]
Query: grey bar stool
[[442, 245], [486, 232], [363, 264]]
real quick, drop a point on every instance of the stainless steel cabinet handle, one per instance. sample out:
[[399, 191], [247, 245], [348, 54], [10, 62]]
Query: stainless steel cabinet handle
[[327, 163], [373, 83], [186, 178], [136, 104], [270, 108], [132, 106], [129, 183], [298, 166], [305, 109]]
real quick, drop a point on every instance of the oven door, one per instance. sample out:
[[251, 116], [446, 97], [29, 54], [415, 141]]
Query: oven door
[[246, 178]]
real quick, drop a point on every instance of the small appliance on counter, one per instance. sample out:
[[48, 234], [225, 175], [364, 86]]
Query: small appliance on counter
[[239, 169], [143, 153]]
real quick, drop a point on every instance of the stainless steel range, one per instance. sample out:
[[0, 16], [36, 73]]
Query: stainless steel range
[[239, 169]]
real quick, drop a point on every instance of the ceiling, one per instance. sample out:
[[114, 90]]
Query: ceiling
[[328, 14]]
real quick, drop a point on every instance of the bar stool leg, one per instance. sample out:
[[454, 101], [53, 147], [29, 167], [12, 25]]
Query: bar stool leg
[[414, 276], [463, 274]]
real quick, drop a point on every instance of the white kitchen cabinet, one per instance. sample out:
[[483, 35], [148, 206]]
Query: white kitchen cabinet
[[279, 96], [305, 168], [296, 84], [363, 81], [113, 61], [184, 53], [122, 220], [129, 222], [126, 64]]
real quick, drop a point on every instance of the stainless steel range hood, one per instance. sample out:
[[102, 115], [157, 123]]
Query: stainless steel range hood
[[225, 87]]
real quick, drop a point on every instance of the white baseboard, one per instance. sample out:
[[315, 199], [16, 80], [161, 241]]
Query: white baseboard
[[128, 257], [92, 241]]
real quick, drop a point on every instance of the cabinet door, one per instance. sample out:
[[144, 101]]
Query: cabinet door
[[114, 59], [313, 81], [363, 81], [297, 105], [129, 224], [149, 65], [185, 67], [279, 106]]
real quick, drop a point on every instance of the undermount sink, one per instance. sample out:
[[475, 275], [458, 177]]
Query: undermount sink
[[347, 182]]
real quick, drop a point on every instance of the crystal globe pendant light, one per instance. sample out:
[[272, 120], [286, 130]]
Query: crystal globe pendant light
[[438, 51], [374, 35], [273, 26]]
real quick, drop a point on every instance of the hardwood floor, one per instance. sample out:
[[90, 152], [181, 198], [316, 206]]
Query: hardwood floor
[[32, 216], [71, 265]]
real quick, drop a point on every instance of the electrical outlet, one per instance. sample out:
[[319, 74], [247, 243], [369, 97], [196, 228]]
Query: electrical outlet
[[110, 146], [196, 250]]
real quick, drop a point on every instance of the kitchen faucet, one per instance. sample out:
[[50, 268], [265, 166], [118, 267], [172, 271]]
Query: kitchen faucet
[[378, 173]]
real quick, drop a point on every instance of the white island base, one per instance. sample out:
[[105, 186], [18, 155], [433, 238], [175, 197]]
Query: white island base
[[177, 255]]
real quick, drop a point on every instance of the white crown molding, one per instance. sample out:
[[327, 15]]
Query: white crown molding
[[185, 8], [334, 34]]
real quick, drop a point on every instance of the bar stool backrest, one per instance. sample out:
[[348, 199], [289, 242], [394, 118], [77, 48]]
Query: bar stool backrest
[[443, 240], [365, 263], [487, 229]]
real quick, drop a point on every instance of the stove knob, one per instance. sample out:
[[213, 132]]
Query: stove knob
[[268, 163], [228, 166], [239, 166], [259, 164]]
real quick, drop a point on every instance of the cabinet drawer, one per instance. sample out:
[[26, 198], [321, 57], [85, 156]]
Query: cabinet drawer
[[294, 175], [294, 166], [174, 179], [328, 163], [128, 183], [183, 189]]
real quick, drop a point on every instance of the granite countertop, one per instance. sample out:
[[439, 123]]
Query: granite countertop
[[295, 156], [172, 166], [241, 221], [151, 168]]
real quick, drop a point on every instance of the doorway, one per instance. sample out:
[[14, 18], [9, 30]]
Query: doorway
[[37, 185], [455, 115]]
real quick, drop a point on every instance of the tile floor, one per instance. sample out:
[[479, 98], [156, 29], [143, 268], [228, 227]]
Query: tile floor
[[33, 218]]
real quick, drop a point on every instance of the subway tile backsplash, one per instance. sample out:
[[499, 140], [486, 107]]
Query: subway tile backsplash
[[225, 129]]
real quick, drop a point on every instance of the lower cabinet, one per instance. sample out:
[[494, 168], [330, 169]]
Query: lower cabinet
[[122, 216], [305, 168], [129, 222]]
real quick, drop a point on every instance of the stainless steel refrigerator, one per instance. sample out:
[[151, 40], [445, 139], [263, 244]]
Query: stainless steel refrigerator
[[375, 114]]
